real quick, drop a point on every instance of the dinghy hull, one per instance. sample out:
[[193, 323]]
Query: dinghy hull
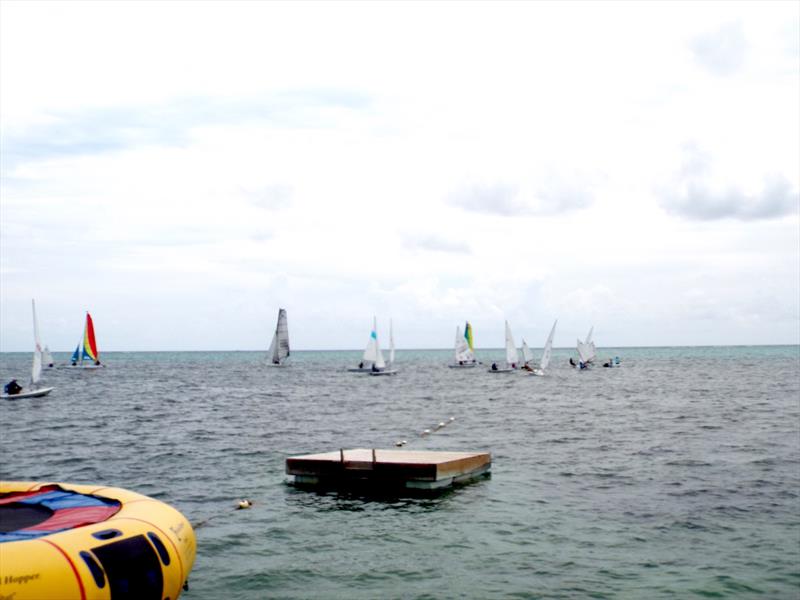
[[32, 394]]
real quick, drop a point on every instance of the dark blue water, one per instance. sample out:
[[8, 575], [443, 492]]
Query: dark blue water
[[677, 475]]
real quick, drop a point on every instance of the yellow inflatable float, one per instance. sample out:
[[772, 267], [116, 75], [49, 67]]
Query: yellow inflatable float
[[60, 541]]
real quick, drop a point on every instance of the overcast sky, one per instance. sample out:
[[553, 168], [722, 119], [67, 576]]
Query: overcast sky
[[182, 170]]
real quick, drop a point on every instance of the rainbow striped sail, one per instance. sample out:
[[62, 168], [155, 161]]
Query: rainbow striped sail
[[468, 336], [87, 347]]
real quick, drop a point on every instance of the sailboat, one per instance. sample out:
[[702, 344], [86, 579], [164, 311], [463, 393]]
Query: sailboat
[[47, 358], [36, 368], [86, 350], [546, 353], [389, 368], [372, 353], [464, 351], [527, 355], [279, 348], [587, 350], [512, 358]]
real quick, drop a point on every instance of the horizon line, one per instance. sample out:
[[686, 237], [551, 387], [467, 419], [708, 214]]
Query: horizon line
[[499, 348]]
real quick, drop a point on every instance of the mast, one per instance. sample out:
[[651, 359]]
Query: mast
[[391, 344]]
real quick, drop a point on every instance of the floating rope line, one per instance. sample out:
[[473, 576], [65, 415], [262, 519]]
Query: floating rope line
[[240, 504], [426, 432]]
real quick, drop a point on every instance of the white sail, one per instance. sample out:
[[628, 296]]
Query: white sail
[[36, 368], [527, 355], [279, 348], [47, 358], [589, 336], [584, 351], [391, 344], [463, 353], [511, 350], [548, 348], [372, 353]]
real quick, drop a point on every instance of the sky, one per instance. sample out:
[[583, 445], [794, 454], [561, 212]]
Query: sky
[[182, 170]]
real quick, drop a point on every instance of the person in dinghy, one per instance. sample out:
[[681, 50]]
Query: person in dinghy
[[12, 388]]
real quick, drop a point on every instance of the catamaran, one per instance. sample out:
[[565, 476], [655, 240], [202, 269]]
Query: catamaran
[[279, 348], [512, 358], [389, 368], [36, 368], [464, 350], [86, 350], [546, 353]]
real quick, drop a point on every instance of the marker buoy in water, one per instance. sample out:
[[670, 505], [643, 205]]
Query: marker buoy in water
[[244, 504]]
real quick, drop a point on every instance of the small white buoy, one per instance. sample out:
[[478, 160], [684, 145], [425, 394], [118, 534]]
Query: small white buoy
[[400, 443], [245, 503], [441, 424], [452, 419], [426, 432]]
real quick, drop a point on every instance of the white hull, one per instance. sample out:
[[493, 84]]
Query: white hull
[[503, 370], [357, 370], [87, 367], [277, 364], [464, 366], [384, 372], [32, 394]]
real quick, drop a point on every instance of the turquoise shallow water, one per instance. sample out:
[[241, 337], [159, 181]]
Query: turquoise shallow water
[[677, 475]]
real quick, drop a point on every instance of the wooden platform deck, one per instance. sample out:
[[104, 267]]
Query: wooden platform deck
[[409, 469]]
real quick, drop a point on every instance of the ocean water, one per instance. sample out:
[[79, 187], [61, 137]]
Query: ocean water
[[674, 476]]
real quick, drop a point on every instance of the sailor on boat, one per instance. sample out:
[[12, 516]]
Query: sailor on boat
[[12, 388], [494, 366]]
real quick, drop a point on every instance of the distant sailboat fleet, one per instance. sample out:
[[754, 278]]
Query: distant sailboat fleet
[[87, 355]]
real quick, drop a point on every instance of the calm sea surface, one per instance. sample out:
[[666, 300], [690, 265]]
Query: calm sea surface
[[676, 475]]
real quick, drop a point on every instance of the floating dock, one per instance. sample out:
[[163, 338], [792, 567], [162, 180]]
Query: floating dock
[[384, 469]]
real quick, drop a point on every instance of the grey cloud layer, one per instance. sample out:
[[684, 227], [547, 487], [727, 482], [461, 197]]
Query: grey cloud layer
[[690, 196], [99, 130], [554, 195]]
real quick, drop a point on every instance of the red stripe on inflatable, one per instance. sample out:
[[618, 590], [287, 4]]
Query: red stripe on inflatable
[[14, 496], [71, 564], [70, 518]]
